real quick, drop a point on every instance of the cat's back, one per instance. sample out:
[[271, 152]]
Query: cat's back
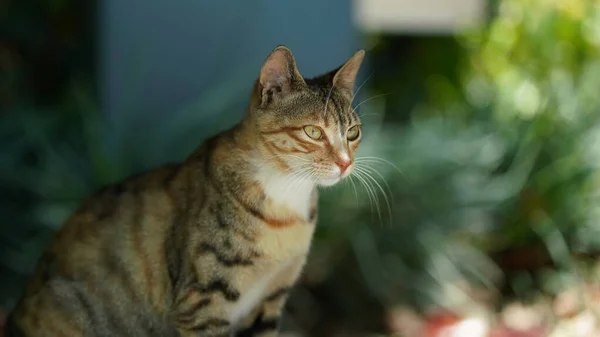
[[120, 214], [109, 251]]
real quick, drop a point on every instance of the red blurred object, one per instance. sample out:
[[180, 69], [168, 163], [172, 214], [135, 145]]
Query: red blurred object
[[437, 323]]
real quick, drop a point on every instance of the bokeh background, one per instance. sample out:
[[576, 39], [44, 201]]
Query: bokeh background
[[474, 211]]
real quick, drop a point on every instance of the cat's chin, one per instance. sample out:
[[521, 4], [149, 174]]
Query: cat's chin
[[328, 181]]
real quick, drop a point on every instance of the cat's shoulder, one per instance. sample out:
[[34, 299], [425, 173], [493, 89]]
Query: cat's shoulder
[[103, 202], [159, 177]]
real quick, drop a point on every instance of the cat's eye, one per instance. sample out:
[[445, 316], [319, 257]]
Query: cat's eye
[[313, 132], [353, 133]]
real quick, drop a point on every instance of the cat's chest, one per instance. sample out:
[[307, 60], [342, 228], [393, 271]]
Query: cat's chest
[[280, 244], [283, 252]]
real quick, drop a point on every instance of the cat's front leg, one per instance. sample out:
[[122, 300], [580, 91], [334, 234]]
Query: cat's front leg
[[214, 328], [267, 318], [268, 315], [197, 315]]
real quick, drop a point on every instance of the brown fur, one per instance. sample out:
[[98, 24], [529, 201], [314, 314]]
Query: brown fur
[[209, 246]]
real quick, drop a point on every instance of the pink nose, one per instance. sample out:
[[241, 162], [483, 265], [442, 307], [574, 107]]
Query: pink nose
[[343, 164]]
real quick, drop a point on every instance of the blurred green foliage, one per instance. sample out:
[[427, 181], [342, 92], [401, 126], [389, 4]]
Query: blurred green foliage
[[533, 73], [496, 159], [498, 183]]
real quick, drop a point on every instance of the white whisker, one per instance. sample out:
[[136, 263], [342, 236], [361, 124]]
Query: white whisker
[[380, 161], [327, 101], [281, 155], [385, 183], [368, 114], [370, 192], [354, 188], [296, 180], [359, 87], [368, 99], [367, 174], [295, 167]]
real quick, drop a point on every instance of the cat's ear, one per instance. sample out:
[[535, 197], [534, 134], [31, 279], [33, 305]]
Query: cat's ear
[[279, 75], [345, 76]]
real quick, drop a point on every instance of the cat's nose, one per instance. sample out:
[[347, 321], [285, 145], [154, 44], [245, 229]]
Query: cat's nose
[[343, 164]]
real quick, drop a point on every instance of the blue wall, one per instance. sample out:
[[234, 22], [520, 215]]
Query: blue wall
[[191, 61]]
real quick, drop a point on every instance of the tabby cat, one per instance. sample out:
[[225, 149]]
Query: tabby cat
[[211, 246]]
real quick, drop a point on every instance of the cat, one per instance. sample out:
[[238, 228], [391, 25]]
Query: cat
[[210, 246]]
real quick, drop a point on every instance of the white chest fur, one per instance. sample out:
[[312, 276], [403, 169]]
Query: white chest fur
[[283, 249], [291, 192], [252, 296]]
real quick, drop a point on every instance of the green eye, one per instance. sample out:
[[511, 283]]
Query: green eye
[[353, 133], [313, 132]]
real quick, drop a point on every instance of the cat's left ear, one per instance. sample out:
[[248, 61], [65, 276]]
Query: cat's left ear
[[345, 76], [279, 75]]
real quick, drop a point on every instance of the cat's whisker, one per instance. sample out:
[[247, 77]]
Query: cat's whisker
[[359, 87], [300, 178], [309, 175], [347, 183], [327, 101], [368, 99], [290, 168], [369, 181], [354, 188], [293, 185], [296, 176], [296, 157], [299, 173], [296, 170], [269, 159], [296, 179], [368, 114], [381, 161], [365, 164], [367, 172], [370, 192], [304, 175], [374, 196], [383, 180], [295, 167]]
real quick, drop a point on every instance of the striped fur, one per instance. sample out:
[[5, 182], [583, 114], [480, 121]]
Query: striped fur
[[210, 246]]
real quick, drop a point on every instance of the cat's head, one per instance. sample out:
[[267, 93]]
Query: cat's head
[[306, 128]]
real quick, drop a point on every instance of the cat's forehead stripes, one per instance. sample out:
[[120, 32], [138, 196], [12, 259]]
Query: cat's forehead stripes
[[339, 114]]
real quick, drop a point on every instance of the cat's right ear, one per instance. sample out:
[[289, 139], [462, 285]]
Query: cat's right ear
[[279, 75]]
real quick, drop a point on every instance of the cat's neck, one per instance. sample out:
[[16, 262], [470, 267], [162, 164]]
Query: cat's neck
[[289, 191], [237, 154]]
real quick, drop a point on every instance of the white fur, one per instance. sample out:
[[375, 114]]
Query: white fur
[[253, 296], [291, 191], [283, 247]]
